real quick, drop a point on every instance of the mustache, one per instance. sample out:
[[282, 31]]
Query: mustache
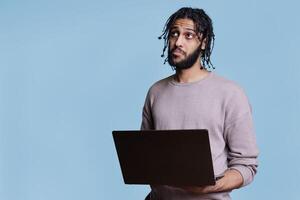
[[177, 49]]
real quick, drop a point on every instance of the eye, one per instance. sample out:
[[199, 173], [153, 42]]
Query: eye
[[189, 35], [174, 34]]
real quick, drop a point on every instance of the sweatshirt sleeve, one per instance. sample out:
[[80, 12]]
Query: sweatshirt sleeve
[[147, 119], [240, 136]]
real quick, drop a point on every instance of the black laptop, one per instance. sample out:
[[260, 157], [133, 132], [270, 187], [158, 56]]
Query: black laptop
[[165, 157]]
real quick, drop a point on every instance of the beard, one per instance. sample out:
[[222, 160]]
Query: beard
[[187, 62]]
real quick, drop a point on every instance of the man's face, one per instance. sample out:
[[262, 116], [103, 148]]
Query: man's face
[[184, 44]]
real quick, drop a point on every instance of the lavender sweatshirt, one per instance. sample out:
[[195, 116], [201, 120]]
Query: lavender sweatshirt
[[212, 103]]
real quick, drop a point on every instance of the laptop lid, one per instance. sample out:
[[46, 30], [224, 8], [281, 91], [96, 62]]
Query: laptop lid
[[165, 157]]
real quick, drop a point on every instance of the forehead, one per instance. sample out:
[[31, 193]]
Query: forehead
[[184, 24]]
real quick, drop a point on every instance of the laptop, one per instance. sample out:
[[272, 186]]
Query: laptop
[[165, 157]]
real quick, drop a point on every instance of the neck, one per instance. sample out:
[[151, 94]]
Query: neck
[[192, 74]]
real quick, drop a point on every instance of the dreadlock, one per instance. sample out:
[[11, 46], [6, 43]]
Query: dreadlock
[[203, 25]]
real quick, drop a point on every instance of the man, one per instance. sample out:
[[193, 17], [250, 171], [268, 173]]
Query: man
[[195, 98]]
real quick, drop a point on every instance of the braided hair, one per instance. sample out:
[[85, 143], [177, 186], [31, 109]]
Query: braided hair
[[203, 25]]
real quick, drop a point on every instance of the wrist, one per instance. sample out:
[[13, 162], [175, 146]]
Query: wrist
[[232, 180]]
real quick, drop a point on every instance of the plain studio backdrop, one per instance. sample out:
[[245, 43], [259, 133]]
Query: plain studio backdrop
[[73, 71]]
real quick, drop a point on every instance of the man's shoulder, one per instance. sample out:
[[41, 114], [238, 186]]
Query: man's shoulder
[[225, 84], [160, 84], [230, 91]]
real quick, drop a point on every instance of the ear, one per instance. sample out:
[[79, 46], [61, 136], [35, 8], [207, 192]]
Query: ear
[[203, 43]]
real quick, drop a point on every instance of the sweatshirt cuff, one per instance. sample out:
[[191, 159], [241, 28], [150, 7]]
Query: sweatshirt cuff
[[245, 172]]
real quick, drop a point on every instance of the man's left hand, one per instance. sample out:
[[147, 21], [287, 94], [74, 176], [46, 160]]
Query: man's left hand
[[232, 180]]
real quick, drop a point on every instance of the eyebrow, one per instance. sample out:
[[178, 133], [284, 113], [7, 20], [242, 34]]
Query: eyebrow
[[190, 29]]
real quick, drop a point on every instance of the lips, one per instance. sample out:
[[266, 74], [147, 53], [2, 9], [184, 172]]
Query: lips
[[178, 52]]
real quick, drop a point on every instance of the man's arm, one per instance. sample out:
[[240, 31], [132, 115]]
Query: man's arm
[[242, 150], [232, 180], [147, 120]]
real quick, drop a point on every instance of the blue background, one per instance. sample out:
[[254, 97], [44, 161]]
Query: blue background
[[73, 71]]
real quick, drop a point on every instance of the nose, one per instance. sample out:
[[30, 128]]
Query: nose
[[179, 41]]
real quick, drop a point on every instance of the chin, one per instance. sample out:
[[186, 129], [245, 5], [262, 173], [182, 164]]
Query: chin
[[176, 61]]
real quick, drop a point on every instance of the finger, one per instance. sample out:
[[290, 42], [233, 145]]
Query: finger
[[198, 190]]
